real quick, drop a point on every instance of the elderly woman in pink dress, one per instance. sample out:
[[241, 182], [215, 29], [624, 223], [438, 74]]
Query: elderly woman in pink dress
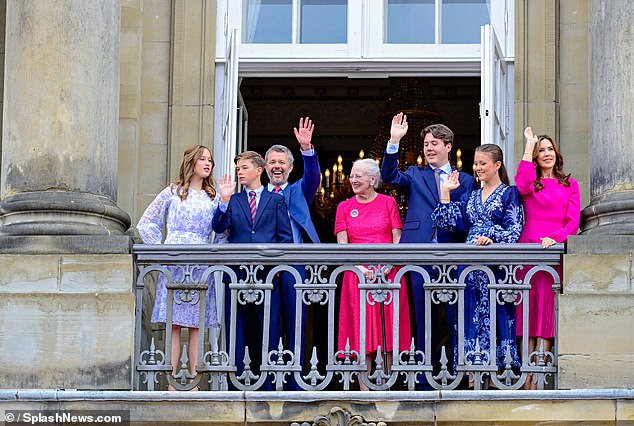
[[369, 218], [551, 205]]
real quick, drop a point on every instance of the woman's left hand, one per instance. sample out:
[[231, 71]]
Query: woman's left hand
[[547, 242], [483, 241], [368, 273], [452, 182]]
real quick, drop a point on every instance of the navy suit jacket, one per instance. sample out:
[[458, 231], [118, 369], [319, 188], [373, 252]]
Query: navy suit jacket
[[300, 195], [271, 224], [419, 183]]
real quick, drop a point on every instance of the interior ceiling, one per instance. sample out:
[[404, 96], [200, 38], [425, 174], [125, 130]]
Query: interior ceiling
[[347, 112]]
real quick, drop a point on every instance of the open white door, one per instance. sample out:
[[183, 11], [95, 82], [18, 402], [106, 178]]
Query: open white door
[[227, 143], [494, 91], [230, 138], [230, 105], [243, 124]]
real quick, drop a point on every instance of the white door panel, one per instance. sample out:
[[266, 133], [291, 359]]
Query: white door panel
[[494, 103]]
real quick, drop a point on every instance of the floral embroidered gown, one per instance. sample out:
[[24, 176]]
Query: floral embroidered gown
[[500, 219], [188, 222]]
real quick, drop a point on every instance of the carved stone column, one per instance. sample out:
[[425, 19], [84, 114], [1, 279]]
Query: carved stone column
[[60, 125], [611, 148], [67, 312], [598, 292]]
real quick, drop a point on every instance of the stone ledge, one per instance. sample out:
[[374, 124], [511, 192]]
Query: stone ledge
[[606, 407], [65, 244], [67, 273], [600, 244]]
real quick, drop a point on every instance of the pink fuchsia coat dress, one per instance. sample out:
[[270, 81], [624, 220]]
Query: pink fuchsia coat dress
[[550, 212], [370, 223]]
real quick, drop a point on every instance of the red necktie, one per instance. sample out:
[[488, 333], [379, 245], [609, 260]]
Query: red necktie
[[252, 205], [277, 189]]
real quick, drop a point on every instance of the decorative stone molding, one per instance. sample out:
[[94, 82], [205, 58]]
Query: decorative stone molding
[[338, 416]]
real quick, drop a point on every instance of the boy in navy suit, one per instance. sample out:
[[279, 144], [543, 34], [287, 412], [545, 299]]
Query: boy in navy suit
[[423, 184], [253, 215]]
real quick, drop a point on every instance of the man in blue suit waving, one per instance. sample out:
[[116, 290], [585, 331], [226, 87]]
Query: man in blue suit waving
[[298, 196], [422, 184]]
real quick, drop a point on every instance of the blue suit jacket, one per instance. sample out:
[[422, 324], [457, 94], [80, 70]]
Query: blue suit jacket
[[300, 195], [271, 224], [419, 183]]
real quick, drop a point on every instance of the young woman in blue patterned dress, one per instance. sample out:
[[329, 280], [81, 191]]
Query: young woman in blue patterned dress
[[492, 214], [189, 203]]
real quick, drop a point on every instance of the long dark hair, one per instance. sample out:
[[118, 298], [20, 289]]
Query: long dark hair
[[558, 170], [190, 156], [496, 155]]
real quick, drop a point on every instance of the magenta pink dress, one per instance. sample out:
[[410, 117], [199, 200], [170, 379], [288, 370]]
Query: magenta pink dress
[[551, 212], [370, 223]]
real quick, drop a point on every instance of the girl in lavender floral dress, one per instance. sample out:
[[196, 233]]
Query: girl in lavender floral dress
[[189, 203]]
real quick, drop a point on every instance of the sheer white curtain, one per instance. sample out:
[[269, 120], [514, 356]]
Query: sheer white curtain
[[253, 13]]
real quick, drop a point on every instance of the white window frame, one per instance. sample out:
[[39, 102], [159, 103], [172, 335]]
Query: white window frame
[[366, 26], [231, 15], [495, 95]]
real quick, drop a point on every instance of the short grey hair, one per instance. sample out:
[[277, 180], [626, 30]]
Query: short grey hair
[[282, 149], [372, 169]]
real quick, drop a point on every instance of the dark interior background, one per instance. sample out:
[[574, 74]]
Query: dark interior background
[[351, 114]]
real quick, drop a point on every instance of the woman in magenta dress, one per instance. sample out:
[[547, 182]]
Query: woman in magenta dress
[[551, 205], [369, 218]]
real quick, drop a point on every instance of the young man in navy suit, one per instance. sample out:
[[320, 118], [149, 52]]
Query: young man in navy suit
[[253, 215], [298, 196], [422, 186]]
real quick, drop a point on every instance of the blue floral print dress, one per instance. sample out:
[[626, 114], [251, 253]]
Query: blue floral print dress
[[500, 219], [188, 222]]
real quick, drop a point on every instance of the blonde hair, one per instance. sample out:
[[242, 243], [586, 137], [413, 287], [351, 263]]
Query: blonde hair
[[252, 156], [190, 157]]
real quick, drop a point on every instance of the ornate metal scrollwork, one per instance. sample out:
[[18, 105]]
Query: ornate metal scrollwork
[[509, 296], [444, 274], [314, 274], [314, 296], [510, 274], [444, 295], [189, 270], [251, 295]]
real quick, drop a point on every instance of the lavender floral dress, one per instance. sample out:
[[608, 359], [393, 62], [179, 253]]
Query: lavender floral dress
[[500, 219], [188, 222]]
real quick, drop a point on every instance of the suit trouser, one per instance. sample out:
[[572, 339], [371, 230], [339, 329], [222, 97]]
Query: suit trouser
[[288, 312], [418, 293], [249, 330]]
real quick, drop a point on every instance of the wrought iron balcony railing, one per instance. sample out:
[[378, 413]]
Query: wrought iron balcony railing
[[249, 274]]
